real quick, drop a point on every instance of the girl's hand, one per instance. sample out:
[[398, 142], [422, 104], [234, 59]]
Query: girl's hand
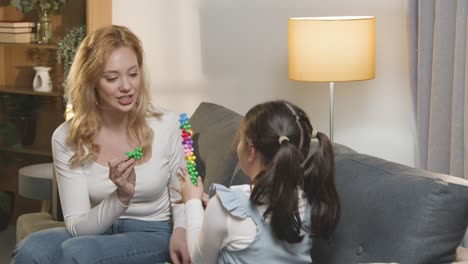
[[187, 190], [205, 199], [122, 174]]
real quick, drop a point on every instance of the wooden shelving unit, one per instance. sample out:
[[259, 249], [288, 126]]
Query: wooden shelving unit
[[16, 76], [26, 90], [29, 45]]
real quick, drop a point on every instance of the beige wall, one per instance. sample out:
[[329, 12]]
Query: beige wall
[[234, 52]]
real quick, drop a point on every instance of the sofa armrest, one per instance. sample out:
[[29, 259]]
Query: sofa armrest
[[32, 222]]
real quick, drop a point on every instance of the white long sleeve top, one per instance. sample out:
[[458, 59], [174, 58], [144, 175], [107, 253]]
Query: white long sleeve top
[[211, 230], [89, 199]]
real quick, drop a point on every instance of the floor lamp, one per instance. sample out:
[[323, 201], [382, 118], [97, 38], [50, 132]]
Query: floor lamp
[[331, 49]]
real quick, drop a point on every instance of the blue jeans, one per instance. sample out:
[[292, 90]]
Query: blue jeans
[[127, 241]]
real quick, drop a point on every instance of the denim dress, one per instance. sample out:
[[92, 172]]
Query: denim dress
[[264, 248]]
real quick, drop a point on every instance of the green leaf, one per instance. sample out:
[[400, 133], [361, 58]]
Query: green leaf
[[67, 48], [16, 4], [56, 7]]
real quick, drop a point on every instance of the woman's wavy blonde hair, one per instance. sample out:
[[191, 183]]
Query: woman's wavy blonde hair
[[85, 72]]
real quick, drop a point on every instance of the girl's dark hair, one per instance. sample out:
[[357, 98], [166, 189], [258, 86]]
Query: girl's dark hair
[[289, 167]]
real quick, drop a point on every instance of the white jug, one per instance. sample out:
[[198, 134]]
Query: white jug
[[42, 82]]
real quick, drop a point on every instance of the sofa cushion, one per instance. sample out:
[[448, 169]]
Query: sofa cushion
[[394, 213], [214, 129]]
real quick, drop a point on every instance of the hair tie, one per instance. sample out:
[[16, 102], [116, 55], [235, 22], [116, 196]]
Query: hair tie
[[314, 133], [282, 138]]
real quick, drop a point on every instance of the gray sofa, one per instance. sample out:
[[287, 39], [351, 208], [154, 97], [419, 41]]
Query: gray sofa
[[390, 212]]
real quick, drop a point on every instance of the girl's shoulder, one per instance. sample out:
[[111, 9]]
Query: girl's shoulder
[[234, 199], [237, 189], [245, 188]]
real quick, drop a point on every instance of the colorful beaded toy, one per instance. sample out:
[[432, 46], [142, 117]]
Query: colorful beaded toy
[[188, 148], [137, 154]]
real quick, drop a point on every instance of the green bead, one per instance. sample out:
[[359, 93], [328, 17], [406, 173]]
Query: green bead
[[137, 154]]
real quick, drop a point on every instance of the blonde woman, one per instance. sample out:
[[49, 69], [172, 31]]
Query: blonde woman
[[116, 209]]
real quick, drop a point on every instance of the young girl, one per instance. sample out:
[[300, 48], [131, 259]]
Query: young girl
[[269, 221]]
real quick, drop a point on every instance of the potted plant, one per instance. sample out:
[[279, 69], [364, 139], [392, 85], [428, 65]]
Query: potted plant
[[21, 112], [44, 8], [67, 49], [54, 7]]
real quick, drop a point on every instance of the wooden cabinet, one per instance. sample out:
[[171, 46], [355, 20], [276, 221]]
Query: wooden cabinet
[[16, 77]]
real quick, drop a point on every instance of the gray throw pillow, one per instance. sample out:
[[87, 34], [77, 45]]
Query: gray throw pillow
[[214, 129]]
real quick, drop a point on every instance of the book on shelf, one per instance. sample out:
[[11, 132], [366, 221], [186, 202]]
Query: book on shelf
[[16, 24], [17, 37], [15, 30]]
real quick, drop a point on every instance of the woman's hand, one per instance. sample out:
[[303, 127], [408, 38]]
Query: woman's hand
[[122, 174], [187, 190]]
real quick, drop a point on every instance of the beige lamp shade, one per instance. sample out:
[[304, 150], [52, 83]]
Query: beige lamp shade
[[331, 49]]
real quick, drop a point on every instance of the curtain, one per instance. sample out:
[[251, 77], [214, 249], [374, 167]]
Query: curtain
[[438, 57]]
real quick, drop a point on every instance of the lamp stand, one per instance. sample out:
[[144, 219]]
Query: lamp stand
[[332, 84]]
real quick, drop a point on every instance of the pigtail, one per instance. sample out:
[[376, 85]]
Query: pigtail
[[279, 182], [319, 186]]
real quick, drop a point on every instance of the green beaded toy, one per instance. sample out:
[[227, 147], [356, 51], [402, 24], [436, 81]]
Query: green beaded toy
[[137, 154]]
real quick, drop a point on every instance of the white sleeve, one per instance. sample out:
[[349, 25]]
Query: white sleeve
[[176, 160], [80, 219], [207, 233]]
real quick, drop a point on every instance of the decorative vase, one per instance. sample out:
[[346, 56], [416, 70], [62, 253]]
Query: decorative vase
[[44, 28], [42, 82]]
